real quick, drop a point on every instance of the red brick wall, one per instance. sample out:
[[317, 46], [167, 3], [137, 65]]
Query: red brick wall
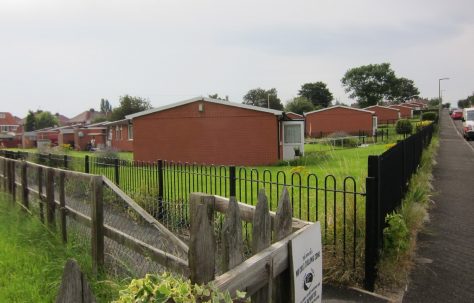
[[65, 139], [384, 115], [121, 144], [405, 112], [80, 143], [218, 135], [338, 120]]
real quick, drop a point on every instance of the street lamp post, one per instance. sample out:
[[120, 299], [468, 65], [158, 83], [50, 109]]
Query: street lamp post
[[439, 91]]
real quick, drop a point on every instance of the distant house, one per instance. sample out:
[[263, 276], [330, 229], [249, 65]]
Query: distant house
[[85, 118], [205, 130], [294, 116], [385, 115], [9, 127], [120, 135], [323, 122], [8, 123], [62, 120], [406, 112]]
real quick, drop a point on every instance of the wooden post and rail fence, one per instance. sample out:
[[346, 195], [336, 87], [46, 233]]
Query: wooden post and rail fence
[[264, 276]]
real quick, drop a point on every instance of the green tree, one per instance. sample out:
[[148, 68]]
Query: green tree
[[105, 107], [402, 89], [468, 102], [260, 97], [299, 105], [317, 93], [30, 123], [369, 84], [129, 105], [45, 119], [433, 103], [217, 97]]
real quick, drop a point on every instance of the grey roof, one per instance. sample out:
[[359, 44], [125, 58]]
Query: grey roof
[[339, 106], [227, 103]]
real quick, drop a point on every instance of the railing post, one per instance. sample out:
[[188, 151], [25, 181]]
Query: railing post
[[97, 229], [86, 164], [160, 190], [65, 161], [116, 170], [50, 160], [372, 223], [232, 181], [24, 184], [50, 204], [40, 193]]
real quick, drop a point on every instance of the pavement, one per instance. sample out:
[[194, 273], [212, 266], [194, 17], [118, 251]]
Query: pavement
[[444, 270]]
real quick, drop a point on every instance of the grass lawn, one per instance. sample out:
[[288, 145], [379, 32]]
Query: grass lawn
[[32, 259]]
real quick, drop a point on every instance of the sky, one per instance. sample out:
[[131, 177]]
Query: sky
[[64, 56]]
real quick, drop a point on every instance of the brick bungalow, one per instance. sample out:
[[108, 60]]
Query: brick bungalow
[[205, 130], [406, 112], [385, 115], [120, 135], [339, 118]]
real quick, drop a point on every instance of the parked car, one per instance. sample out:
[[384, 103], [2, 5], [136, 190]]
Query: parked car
[[468, 123], [457, 114], [451, 110]]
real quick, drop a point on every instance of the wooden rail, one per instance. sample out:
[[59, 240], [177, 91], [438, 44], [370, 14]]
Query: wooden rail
[[99, 230]]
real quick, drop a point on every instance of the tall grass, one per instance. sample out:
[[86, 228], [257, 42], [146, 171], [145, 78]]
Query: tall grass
[[395, 265], [32, 259]]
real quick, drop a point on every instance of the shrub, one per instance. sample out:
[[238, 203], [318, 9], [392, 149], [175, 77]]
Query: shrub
[[168, 288], [429, 116], [336, 139], [396, 235], [404, 127], [422, 124]]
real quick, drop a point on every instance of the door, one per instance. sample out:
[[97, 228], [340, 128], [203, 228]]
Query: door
[[293, 139]]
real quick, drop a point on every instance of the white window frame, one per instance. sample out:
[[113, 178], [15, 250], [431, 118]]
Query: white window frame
[[130, 132]]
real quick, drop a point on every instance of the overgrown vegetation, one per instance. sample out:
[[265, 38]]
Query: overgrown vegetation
[[404, 127], [429, 116], [404, 224], [32, 259], [169, 288]]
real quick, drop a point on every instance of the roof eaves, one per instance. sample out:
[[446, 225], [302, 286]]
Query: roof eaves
[[215, 101]]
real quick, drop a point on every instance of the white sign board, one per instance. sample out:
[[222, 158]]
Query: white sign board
[[307, 265]]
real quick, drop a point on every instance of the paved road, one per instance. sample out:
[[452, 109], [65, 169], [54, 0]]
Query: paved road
[[445, 267]]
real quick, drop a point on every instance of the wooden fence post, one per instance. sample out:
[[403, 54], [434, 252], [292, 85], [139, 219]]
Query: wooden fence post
[[62, 206], [40, 193], [231, 237], [202, 245], [24, 184], [12, 180], [5, 180], [283, 224], [261, 239], [97, 229], [50, 204]]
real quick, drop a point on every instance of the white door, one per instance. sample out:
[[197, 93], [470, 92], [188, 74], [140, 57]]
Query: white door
[[293, 139]]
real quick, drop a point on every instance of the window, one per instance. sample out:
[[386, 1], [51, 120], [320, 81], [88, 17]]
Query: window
[[470, 116], [130, 132], [2, 116], [292, 133], [4, 128], [117, 133], [120, 133]]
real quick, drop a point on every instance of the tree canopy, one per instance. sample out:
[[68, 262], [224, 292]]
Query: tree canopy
[[39, 120], [468, 102], [217, 97], [370, 84], [129, 105], [317, 93], [260, 97], [299, 105], [105, 107]]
